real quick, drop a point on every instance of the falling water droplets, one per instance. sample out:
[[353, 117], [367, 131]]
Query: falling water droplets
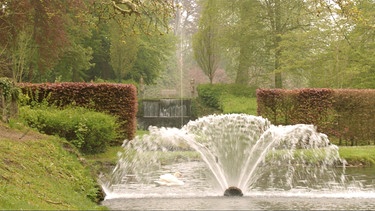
[[238, 150]]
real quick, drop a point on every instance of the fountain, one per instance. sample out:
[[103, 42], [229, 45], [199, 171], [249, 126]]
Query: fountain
[[241, 153]]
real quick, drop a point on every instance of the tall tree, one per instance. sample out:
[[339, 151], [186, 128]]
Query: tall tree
[[205, 43], [123, 51], [283, 16], [153, 55], [46, 24]]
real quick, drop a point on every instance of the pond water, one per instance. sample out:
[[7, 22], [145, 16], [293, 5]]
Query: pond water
[[199, 194]]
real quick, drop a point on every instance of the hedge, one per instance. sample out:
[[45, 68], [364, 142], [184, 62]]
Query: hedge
[[116, 99], [347, 114], [90, 131]]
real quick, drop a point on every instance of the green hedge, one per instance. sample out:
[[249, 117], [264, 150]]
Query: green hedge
[[211, 94], [116, 99], [90, 131]]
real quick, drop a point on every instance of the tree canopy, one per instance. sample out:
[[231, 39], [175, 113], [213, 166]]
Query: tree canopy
[[261, 43], [293, 43], [80, 40]]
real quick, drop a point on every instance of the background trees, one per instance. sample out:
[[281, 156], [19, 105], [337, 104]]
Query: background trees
[[205, 41], [262, 43], [80, 40], [290, 43]]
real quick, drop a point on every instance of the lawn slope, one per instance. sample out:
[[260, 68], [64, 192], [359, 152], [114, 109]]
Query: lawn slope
[[36, 172]]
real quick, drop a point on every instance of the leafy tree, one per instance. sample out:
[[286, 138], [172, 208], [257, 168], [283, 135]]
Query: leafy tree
[[123, 51], [46, 26], [100, 43], [152, 57], [57, 46], [22, 54], [334, 51], [205, 44], [76, 59]]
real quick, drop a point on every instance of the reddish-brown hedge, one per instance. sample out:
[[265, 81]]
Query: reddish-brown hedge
[[345, 113], [115, 99]]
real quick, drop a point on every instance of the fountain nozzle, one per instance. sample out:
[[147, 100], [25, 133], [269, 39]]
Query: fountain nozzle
[[233, 191]]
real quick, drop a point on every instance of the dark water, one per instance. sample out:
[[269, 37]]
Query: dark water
[[360, 195]]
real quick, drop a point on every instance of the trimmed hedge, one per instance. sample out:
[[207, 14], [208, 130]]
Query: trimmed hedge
[[116, 99], [89, 131], [347, 114]]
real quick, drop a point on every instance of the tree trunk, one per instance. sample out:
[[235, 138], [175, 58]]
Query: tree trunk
[[242, 76], [242, 71], [277, 40]]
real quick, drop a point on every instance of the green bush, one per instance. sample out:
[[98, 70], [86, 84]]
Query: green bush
[[209, 95], [89, 131], [217, 96]]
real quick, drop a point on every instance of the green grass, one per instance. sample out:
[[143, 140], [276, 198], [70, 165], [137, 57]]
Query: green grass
[[41, 175], [234, 104], [358, 155]]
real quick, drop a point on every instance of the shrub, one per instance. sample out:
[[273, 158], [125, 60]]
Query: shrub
[[211, 94], [89, 131], [117, 99]]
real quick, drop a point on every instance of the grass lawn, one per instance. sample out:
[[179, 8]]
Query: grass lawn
[[358, 155], [40, 175]]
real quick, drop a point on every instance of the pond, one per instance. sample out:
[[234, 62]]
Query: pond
[[275, 167], [197, 194]]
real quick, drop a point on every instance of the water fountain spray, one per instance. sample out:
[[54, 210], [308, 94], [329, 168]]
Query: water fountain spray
[[240, 150]]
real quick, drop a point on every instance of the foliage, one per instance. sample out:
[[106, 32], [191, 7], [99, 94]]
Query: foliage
[[119, 100], [150, 16], [89, 131], [9, 95], [205, 45], [35, 34], [210, 94], [153, 54], [344, 113], [300, 43], [41, 175], [58, 40], [200, 109], [123, 51], [355, 108]]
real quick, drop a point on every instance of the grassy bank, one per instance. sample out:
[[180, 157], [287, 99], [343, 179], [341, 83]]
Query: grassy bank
[[358, 155], [38, 172]]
